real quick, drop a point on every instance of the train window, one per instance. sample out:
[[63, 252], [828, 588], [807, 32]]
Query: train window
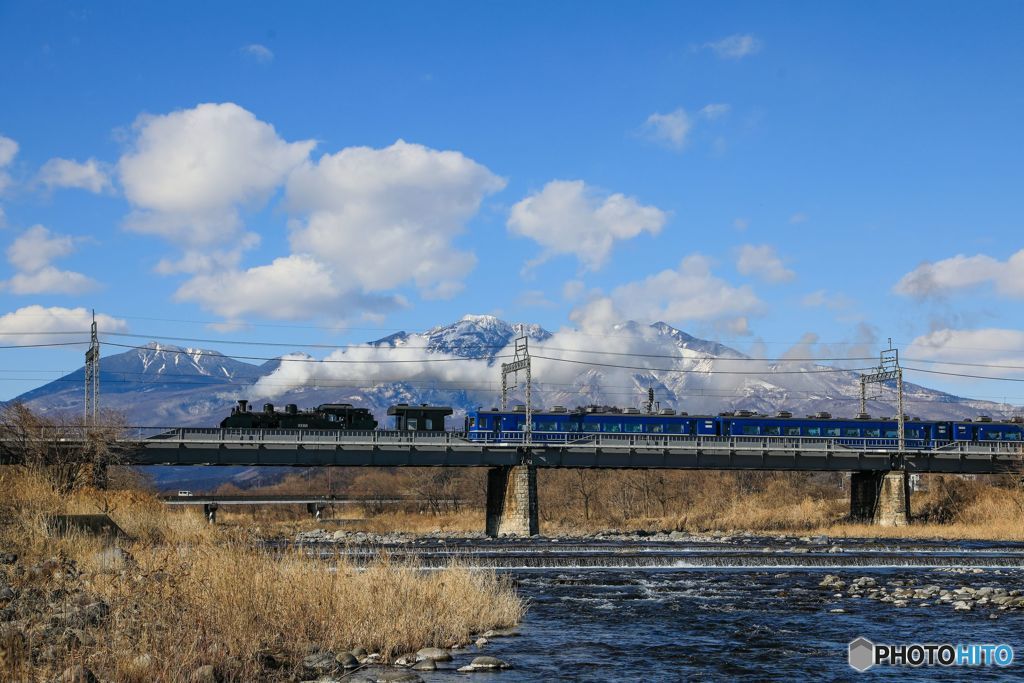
[[428, 424], [792, 431], [873, 432], [851, 431], [751, 430], [814, 431], [1012, 436], [773, 430], [914, 433], [634, 427], [472, 422], [614, 427], [673, 427], [411, 424], [995, 436], [891, 433], [656, 428], [831, 431]]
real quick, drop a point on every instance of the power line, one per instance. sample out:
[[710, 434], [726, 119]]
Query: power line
[[959, 374], [40, 346], [198, 352], [701, 372]]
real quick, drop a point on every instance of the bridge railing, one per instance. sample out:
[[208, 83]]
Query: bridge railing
[[571, 440]]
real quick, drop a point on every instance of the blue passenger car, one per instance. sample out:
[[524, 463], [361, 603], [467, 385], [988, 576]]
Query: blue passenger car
[[985, 430], [861, 430], [560, 424]]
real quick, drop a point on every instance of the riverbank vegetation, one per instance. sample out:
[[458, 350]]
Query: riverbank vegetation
[[175, 598], [574, 501]]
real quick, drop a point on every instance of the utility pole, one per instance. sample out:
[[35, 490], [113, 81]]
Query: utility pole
[[92, 377], [888, 369], [650, 400], [520, 362]]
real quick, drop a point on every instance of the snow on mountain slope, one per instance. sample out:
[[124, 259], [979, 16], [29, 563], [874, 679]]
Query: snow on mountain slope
[[165, 385]]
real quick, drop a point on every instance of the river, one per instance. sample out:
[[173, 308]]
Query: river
[[733, 608]]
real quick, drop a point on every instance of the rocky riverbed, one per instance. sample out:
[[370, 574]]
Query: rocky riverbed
[[659, 606], [652, 606]]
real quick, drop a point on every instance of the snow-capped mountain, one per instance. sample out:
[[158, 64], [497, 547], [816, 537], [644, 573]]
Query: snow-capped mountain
[[474, 336], [162, 385]]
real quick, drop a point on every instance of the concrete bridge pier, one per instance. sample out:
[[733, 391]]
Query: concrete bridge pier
[[512, 501], [882, 498]]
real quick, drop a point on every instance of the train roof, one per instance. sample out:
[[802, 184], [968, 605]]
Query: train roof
[[421, 407]]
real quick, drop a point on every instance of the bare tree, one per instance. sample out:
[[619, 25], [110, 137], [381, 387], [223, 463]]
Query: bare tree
[[69, 454]]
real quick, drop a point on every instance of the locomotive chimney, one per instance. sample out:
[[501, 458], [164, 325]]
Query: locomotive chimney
[[268, 407], [291, 409], [243, 405]]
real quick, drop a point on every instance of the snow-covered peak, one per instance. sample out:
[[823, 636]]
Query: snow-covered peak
[[691, 343]]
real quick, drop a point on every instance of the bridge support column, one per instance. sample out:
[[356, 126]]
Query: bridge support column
[[316, 510], [211, 512], [512, 501], [882, 498]]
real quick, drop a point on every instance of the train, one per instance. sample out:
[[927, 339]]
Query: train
[[560, 424], [335, 416]]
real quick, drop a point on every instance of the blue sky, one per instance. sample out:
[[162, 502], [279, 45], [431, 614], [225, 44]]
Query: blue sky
[[762, 174]]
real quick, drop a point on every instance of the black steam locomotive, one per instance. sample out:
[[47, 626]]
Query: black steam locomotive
[[421, 418]]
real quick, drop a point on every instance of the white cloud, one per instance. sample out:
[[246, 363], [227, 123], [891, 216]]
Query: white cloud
[[190, 171], [992, 346], [573, 289], [689, 293], [833, 301], [259, 53], [31, 254], [384, 217], [672, 130], [36, 324], [715, 111], [534, 298], [668, 129], [964, 272], [50, 280], [290, 287], [8, 150], [90, 175], [736, 46], [37, 247], [762, 262], [568, 217]]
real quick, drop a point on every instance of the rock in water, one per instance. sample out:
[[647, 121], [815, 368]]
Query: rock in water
[[425, 665], [438, 654], [398, 677], [485, 664]]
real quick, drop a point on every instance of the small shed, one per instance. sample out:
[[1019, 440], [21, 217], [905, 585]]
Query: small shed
[[419, 418]]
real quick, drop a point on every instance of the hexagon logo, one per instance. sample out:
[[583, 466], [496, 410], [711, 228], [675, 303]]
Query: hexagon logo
[[862, 654]]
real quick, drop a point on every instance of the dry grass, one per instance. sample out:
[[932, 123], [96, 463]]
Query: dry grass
[[189, 595]]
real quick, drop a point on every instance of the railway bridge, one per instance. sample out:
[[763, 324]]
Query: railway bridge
[[879, 482]]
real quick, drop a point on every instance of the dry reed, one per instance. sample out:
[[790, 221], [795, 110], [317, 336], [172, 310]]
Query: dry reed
[[182, 594]]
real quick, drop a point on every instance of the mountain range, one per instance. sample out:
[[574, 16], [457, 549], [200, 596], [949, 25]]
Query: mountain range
[[162, 385]]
